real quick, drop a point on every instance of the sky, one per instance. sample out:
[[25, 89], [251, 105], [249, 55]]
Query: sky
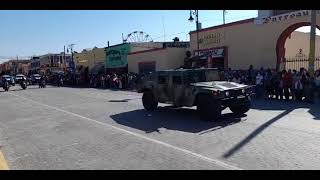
[[27, 33]]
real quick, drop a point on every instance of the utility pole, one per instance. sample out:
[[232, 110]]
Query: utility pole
[[64, 57], [15, 66], [224, 16], [197, 21], [312, 42], [71, 49]]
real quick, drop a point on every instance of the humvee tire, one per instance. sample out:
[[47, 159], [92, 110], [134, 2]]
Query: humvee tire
[[149, 102], [208, 108], [241, 108]]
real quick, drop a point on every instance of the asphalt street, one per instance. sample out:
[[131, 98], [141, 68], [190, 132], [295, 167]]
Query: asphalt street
[[82, 128]]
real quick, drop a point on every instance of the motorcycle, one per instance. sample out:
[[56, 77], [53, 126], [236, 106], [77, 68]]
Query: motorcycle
[[6, 86], [60, 82], [23, 85], [42, 84]]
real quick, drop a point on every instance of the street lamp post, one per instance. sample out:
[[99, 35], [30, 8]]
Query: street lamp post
[[195, 13], [312, 42]]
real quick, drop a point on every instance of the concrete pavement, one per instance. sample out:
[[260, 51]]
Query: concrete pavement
[[73, 128]]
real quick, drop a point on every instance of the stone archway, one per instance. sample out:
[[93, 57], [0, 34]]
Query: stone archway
[[280, 50]]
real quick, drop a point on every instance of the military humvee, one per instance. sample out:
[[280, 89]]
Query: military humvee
[[194, 87]]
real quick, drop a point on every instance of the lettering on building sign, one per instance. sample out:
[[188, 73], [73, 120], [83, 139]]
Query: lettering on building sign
[[284, 17], [212, 53], [210, 39], [176, 44], [114, 55]]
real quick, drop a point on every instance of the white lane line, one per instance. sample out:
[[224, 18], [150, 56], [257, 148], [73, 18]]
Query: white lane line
[[214, 161]]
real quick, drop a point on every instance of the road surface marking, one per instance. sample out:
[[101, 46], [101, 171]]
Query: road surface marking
[[211, 160], [3, 162]]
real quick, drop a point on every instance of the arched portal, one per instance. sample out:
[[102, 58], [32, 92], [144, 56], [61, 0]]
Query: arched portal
[[280, 50]]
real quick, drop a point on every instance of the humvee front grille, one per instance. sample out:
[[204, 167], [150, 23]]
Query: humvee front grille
[[234, 93]]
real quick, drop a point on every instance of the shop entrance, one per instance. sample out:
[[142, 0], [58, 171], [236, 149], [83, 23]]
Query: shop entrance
[[147, 67], [213, 58], [216, 63]]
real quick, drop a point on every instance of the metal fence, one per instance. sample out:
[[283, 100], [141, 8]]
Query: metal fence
[[297, 63]]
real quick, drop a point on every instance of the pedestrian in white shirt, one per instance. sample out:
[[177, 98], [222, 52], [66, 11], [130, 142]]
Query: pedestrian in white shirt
[[259, 84]]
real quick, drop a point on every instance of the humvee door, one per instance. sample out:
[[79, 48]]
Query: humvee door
[[162, 88], [177, 89]]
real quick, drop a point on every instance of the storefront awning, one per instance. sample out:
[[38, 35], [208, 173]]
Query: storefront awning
[[97, 68]]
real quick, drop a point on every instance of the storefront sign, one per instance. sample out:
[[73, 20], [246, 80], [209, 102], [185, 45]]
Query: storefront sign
[[213, 53], [116, 56], [300, 54], [284, 17], [214, 38]]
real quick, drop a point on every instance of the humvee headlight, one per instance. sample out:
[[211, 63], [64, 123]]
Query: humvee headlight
[[227, 93], [243, 91], [216, 93]]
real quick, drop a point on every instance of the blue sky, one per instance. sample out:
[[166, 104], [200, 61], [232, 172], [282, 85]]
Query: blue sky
[[27, 33]]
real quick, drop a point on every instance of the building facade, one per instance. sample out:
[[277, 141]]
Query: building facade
[[49, 63], [34, 64], [117, 55], [268, 13], [298, 45], [169, 56], [93, 59], [257, 41], [14, 67]]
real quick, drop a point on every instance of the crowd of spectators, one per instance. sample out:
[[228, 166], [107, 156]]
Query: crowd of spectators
[[297, 85], [286, 84], [113, 80]]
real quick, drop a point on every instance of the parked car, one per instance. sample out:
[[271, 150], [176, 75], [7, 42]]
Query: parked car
[[19, 78], [10, 79], [35, 78]]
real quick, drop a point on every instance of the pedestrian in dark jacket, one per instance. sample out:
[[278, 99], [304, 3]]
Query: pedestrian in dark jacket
[[279, 87], [267, 84], [287, 83], [298, 87]]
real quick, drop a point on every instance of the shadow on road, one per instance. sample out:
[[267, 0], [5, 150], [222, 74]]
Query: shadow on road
[[123, 100], [286, 106], [180, 119], [32, 87], [254, 134]]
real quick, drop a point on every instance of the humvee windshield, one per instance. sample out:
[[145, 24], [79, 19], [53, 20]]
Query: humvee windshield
[[202, 76], [196, 76]]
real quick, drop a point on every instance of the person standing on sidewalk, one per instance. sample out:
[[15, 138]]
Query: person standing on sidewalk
[[287, 83], [102, 81], [309, 88], [298, 87], [295, 78], [259, 84], [108, 81], [267, 84], [317, 84]]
